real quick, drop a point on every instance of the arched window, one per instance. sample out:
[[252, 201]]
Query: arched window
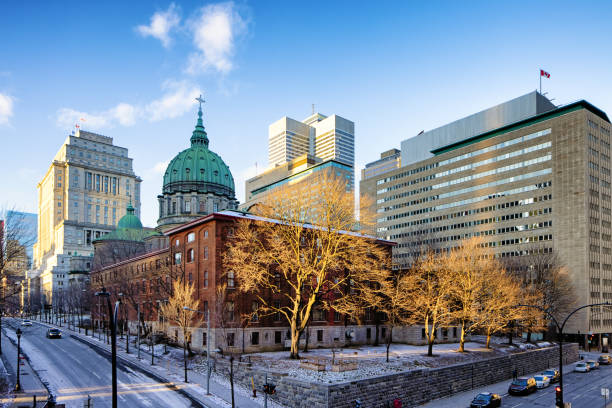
[[190, 255], [191, 237], [230, 279]]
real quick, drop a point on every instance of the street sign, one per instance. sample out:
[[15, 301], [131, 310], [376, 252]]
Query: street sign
[[605, 392], [568, 405]]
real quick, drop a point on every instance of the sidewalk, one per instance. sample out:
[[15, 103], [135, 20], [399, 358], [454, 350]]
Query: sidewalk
[[29, 381], [172, 370]]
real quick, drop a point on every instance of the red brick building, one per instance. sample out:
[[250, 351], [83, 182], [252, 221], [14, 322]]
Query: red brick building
[[194, 253]]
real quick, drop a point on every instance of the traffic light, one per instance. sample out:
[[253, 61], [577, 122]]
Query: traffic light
[[269, 389], [558, 397]]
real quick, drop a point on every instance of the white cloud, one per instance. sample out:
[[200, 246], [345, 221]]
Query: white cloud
[[6, 108], [160, 167], [215, 29], [161, 24], [177, 99]]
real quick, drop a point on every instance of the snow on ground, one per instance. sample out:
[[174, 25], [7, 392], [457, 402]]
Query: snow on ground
[[371, 360]]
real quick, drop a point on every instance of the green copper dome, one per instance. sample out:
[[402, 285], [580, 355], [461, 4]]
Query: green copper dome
[[129, 220], [199, 169]]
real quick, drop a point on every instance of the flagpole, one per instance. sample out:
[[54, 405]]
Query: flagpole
[[540, 82]]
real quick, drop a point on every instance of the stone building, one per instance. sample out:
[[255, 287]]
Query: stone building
[[197, 182], [83, 194]]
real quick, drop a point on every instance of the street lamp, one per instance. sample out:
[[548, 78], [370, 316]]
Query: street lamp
[[112, 317], [207, 313], [126, 317], [560, 339], [18, 332]]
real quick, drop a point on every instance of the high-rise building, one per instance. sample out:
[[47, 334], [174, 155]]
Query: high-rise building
[[526, 176], [298, 150], [84, 193]]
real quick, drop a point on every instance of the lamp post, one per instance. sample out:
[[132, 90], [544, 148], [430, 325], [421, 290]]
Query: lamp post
[[207, 313], [138, 333], [112, 317], [560, 328], [162, 320], [152, 342], [18, 385]]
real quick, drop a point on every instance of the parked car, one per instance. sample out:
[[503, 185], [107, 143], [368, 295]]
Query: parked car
[[522, 386], [486, 400], [542, 381], [54, 334], [26, 323], [593, 365], [552, 374], [582, 368], [604, 359]]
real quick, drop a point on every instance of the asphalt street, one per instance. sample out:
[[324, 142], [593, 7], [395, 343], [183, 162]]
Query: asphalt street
[[74, 371], [582, 390]]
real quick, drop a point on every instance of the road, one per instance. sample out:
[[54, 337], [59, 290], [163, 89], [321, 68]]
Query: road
[[583, 390], [75, 370]]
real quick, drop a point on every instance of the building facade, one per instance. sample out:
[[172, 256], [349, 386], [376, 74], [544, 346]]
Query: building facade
[[83, 194], [535, 181], [299, 150], [195, 254], [197, 182]]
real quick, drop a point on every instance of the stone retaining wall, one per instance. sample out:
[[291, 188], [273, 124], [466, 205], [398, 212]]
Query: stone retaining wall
[[413, 387]]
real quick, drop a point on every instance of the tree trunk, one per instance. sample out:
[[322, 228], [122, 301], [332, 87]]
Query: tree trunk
[[462, 338], [389, 341], [430, 342], [232, 378], [295, 340], [488, 338]]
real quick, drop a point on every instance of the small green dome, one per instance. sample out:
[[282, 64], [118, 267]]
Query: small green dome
[[199, 169], [129, 220]]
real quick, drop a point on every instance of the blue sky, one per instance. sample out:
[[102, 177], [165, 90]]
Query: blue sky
[[394, 68]]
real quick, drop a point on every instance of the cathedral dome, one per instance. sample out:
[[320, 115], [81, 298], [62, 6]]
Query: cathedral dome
[[198, 169]]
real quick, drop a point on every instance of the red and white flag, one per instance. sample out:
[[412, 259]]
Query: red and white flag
[[544, 74]]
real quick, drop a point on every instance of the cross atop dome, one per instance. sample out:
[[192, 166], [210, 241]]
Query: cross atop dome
[[201, 100]]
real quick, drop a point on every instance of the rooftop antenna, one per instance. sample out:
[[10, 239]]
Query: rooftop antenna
[[255, 168], [313, 109]]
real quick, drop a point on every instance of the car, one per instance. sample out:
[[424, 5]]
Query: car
[[54, 334], [552, 374], [593, 365], [604, 359], [26, 323], [542, 381], [582, 368], [522, 386], [486, 400]]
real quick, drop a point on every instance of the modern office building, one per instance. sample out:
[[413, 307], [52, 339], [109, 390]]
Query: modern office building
[[84, 193], [300, 169], [525, 175], [297, 150]]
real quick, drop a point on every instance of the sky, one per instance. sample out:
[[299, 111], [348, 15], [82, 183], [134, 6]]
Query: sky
[[132, 70]]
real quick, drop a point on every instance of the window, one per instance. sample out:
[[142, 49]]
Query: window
[[206, 309], [205, 252], [318, 314], [206, 234], [177, 242], [277, 315], [229, 307], [215, 207], [177, 258], [384, 332], [204, 339], [254, 338], [205, 279], [454, 332], [190, 277], [445, 332], [230, 339], [278, 337], [336, 316], [230, 279], [319, 335], [369, 333], [174, 207], [187, 206], [423, 333], [191, 237], [190, 255]]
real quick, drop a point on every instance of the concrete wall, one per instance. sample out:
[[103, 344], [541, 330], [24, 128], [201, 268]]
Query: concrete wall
[[413, 387]]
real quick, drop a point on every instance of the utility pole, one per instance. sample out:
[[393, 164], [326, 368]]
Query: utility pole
[[138, 334]]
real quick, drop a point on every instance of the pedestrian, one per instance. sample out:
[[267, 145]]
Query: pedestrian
[[514, 374]]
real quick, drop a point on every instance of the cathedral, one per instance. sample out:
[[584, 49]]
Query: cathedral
[[197, 182]]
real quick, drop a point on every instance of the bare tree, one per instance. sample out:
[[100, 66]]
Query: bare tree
[[432, 294], [181, 310], [225, 319], [301, 249]]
